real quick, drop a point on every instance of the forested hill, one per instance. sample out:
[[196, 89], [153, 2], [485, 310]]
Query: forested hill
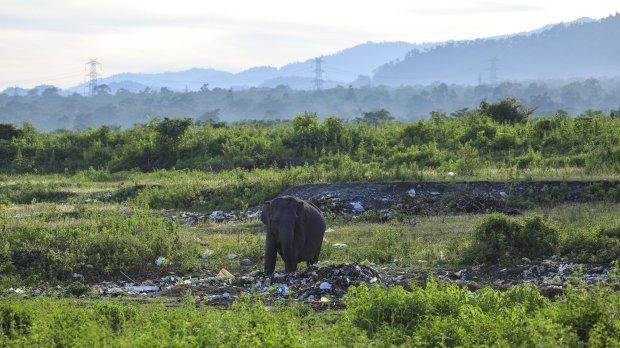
[[564, 51]]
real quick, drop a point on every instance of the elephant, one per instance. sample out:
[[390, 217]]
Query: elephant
[[295, 230]]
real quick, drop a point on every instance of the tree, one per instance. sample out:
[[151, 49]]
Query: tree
[[508, 110], [8, 131], [169, 134], [375, 118]]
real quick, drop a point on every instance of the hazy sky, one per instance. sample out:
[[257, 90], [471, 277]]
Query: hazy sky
[[50, 40]]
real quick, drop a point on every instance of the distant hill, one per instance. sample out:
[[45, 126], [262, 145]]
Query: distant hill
[[582, 49]]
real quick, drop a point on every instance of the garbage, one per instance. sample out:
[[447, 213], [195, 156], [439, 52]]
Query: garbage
[[329, 230], [224, 274], [324, 299], [232, 256], [217, 215], [411, 193], [282, 290], [246, 262], [325, 286], [77, 276], [357, 207], [206, 255], [434, 193], [526, 260], [142, 288], [160, 261], [339, 245], [503, 194], [451, 174]]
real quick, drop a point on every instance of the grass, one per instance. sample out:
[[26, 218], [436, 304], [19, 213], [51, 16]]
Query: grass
[[436, 315]]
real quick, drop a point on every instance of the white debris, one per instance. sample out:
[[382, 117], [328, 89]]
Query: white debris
[[339, 245], [142, 288], [217, 215], [206, 255], [358, 207], [160, 261], [503, 194], [411, 193], [451, 174], [434, 193], [329, 230], [77, 276], [324, 299]]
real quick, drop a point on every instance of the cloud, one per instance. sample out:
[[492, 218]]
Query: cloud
[[477, 7]]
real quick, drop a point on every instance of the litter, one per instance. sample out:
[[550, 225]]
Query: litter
[[224, 274], [325, 286]]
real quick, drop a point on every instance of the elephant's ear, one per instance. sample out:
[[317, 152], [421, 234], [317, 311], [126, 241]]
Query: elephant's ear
[[264, 216], [300, 209]]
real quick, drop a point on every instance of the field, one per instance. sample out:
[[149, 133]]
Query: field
[[520, 247]]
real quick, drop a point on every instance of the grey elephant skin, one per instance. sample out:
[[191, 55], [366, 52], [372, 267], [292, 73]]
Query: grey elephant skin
[[295, 230]]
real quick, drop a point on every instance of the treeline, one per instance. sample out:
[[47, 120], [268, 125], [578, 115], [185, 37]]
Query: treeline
[[48, 110], [500, 134]]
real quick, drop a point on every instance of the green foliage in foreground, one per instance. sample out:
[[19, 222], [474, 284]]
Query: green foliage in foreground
[[498, 136], [436, 315]]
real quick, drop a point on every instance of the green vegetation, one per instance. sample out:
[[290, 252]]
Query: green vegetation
[[437, 315], [47, 242], [468, 144]]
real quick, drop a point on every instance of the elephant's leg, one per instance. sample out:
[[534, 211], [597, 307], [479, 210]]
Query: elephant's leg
[[270, 253], [290, 266]]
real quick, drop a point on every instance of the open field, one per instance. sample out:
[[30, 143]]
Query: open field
[[458, 231]]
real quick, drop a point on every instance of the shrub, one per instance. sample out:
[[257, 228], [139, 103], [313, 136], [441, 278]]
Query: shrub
[[508, 110], [600, 244], [500, 238]]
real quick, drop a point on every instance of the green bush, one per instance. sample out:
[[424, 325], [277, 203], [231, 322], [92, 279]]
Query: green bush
[[500, 238], [599, 244], [109, 241]]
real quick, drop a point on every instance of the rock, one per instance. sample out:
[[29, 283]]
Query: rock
[[411, 193], [246, 262], [339, 245], [232, 256]]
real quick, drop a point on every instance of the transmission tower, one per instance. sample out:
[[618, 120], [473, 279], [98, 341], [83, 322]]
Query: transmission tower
[[91, 73], [318, 73], [493, 71]]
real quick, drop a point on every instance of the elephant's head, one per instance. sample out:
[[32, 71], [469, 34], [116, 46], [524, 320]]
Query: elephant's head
[[281, 214]]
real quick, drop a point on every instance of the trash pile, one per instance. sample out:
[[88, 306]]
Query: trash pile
[[550, 276], [322, 287]]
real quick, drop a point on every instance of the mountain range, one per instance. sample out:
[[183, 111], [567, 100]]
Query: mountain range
[[581, 48]]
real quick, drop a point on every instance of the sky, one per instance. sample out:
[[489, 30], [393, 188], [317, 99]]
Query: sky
[[49, 41]]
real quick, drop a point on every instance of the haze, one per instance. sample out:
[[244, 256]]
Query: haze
[[49, 41]]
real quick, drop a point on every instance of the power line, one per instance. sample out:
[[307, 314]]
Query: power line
[[318, 73], [91, 67]]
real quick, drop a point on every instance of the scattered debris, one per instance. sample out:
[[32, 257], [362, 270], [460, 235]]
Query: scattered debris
[[339, 245], [160, 261], [246, 262], [206, 255], [451, 174], [224, 274], [232, 256], [357, 207], [411, 193], [325, 286]]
